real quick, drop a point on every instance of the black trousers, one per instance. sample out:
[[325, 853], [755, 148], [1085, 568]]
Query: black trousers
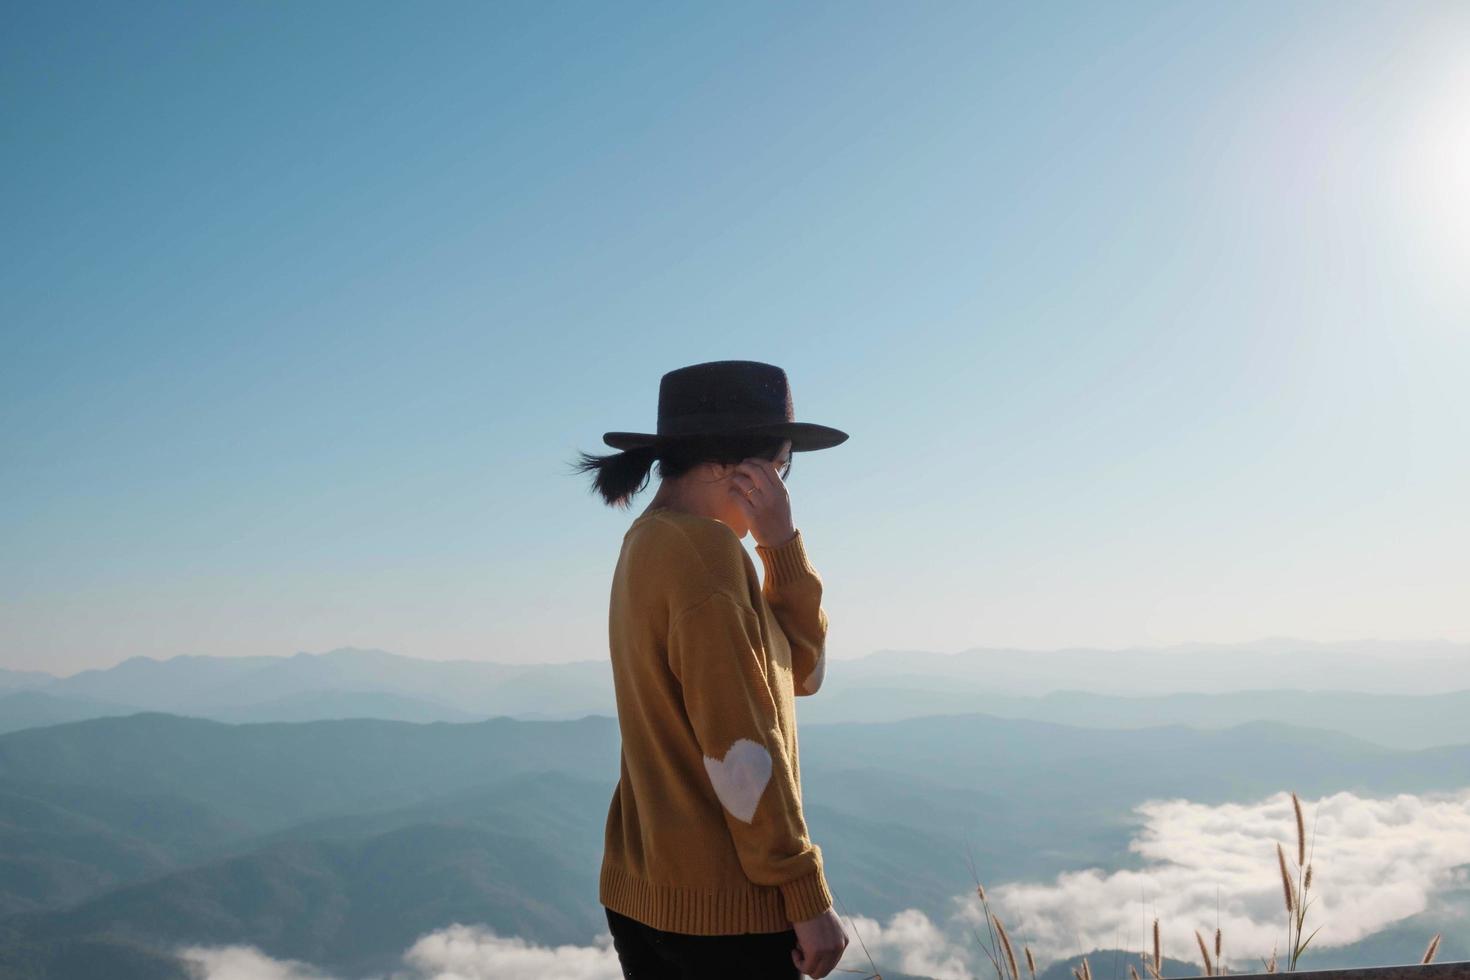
[[647, 953]]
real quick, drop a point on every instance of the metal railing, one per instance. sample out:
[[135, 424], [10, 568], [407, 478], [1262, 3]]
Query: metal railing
[[1458, 970]]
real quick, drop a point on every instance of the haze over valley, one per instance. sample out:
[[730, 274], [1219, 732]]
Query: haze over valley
[[347, 813]]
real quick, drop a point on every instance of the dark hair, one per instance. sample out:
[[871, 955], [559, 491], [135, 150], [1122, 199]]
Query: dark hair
[[620, 475]]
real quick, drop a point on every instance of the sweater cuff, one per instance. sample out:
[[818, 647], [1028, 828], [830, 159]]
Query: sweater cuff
[[806, 897], [786, 562]]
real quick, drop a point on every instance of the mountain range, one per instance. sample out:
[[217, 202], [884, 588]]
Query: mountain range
[[339, 842], [1413, 695]]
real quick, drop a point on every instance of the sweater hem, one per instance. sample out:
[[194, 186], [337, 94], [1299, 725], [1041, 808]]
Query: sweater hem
[[694, 911]]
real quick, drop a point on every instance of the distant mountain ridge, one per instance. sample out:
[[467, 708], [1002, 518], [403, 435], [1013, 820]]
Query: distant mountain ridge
[[1410, 667], [1407, 696]]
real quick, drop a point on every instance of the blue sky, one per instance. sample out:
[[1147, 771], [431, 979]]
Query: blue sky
[[1149, 323]]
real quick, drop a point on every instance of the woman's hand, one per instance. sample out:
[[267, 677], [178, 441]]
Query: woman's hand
[[759, 491], [820, 943]]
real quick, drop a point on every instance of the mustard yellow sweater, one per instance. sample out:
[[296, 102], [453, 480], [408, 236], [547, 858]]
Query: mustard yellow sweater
[[705, 833]]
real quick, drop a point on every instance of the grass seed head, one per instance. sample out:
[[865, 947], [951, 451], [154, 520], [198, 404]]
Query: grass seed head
[[1204, 951], [1158, 957], [1301, 833], [1285, 879], [1005, 942]]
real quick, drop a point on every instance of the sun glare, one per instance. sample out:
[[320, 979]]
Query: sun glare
[[1435, 173]]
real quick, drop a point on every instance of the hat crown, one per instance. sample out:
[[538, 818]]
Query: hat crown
[[732, 398], [716, 395]]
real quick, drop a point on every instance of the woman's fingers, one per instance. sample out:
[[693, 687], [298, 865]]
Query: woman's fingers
[[768, 511], [747, 477], [740, 486], [762, 471]]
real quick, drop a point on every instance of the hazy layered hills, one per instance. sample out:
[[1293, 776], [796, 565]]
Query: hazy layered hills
[[132, 816], [265, 776], [201, 685], [353, 904], [1399, 695], [338, 842]]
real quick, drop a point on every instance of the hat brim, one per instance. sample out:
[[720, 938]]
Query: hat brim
[[805, 436]]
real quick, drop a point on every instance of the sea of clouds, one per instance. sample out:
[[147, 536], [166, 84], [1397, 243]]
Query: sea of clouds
[[1374, 862]]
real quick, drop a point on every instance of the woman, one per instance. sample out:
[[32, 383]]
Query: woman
[[708, 871]]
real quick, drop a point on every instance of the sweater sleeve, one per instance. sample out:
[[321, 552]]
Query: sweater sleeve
[[793, 589], [715, 651]]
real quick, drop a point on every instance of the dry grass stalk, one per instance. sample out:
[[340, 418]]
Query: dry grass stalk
[[1271, 963], [1001, 953], [1204, 951], [1132, 973], [1286, 880], [1158, 964], [991, 950], [1301, 833], [1296, 906], [876, 974], [1005, 945], [1431, 950], [1086, 969]]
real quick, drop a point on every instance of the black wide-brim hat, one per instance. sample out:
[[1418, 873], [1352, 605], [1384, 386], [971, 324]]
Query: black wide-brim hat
[[727, 398]]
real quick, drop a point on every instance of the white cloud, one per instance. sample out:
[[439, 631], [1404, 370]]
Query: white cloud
[[243, 963], [458, 952], [910, 943], [474, 953], [1374, 861]]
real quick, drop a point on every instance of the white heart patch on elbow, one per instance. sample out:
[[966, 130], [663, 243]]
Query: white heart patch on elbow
[[814, 679], [741, 777]]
